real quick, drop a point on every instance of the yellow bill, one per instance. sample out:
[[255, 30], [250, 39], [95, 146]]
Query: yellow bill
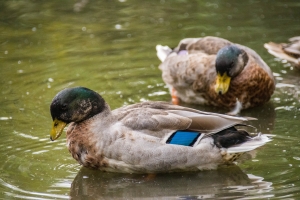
[[222, 83], [57, 129]]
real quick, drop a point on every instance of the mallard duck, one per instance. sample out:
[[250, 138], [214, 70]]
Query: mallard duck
[[147, 137], [215, 71], [289, 52]]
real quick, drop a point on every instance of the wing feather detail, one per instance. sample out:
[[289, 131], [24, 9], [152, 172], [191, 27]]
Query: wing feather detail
[[159, 118]]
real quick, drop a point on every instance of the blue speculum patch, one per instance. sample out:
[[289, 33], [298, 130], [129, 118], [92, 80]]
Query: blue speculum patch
[[185, 138]]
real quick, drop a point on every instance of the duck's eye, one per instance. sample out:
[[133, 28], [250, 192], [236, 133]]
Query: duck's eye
[[64, 106], [55, 124]]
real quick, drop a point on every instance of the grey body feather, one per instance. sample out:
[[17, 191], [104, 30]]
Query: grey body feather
[[133, 138]]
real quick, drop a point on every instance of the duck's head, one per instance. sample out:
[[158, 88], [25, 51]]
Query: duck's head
[[230, 61], [73, 105]]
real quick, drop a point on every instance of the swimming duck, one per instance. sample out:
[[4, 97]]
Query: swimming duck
[[215, 71], [147, 137], [289, 52]]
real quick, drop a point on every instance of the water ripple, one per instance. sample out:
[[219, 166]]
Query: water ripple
[[28, 194]]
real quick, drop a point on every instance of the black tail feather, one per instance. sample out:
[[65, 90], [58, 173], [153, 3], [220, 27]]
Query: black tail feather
[[230, 137]]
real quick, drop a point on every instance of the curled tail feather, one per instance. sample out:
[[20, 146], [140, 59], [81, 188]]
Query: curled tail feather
[[162, 52], [250, 144], [232, 153]]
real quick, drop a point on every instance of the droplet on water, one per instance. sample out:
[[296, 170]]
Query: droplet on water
[[296, 158], [118, 26]]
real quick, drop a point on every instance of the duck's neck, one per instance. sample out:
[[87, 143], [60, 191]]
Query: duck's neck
[[100, 115], [242, 61]]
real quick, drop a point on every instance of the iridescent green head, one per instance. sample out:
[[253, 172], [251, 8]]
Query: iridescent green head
[[73, 105]]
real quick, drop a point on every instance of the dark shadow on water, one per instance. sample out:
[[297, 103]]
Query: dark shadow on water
[[225, 182]]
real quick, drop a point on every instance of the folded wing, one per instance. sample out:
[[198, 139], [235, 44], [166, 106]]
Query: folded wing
[[158, 118]]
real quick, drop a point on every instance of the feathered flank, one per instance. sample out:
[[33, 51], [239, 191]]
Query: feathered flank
[[148, 137], [215, 71]]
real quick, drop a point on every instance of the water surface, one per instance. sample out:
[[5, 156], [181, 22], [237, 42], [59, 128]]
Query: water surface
[[109, 46]]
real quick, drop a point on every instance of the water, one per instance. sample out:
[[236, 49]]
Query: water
[[109, 46]]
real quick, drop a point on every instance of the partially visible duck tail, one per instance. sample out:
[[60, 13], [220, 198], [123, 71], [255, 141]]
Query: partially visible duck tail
[[235, 142], [162, 52], [277, 50]]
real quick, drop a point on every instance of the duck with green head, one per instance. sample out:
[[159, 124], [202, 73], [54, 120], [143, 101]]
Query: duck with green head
[[215, 71], [147, 137]]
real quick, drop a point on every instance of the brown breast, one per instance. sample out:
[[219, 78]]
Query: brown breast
[[82, 146], [253, 87]]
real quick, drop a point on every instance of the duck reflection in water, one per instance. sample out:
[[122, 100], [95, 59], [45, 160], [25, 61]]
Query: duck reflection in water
[[228, 181]]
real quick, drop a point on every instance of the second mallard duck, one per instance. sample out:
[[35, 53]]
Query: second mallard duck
[[215, 71]]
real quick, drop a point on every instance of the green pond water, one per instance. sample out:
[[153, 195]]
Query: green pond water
[[109, 46]]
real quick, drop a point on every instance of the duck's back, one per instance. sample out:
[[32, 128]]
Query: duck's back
[[208, 45], [211, 45]]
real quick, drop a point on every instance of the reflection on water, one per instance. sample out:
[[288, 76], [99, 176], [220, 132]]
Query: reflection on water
[[230, 180], [109, 46]]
